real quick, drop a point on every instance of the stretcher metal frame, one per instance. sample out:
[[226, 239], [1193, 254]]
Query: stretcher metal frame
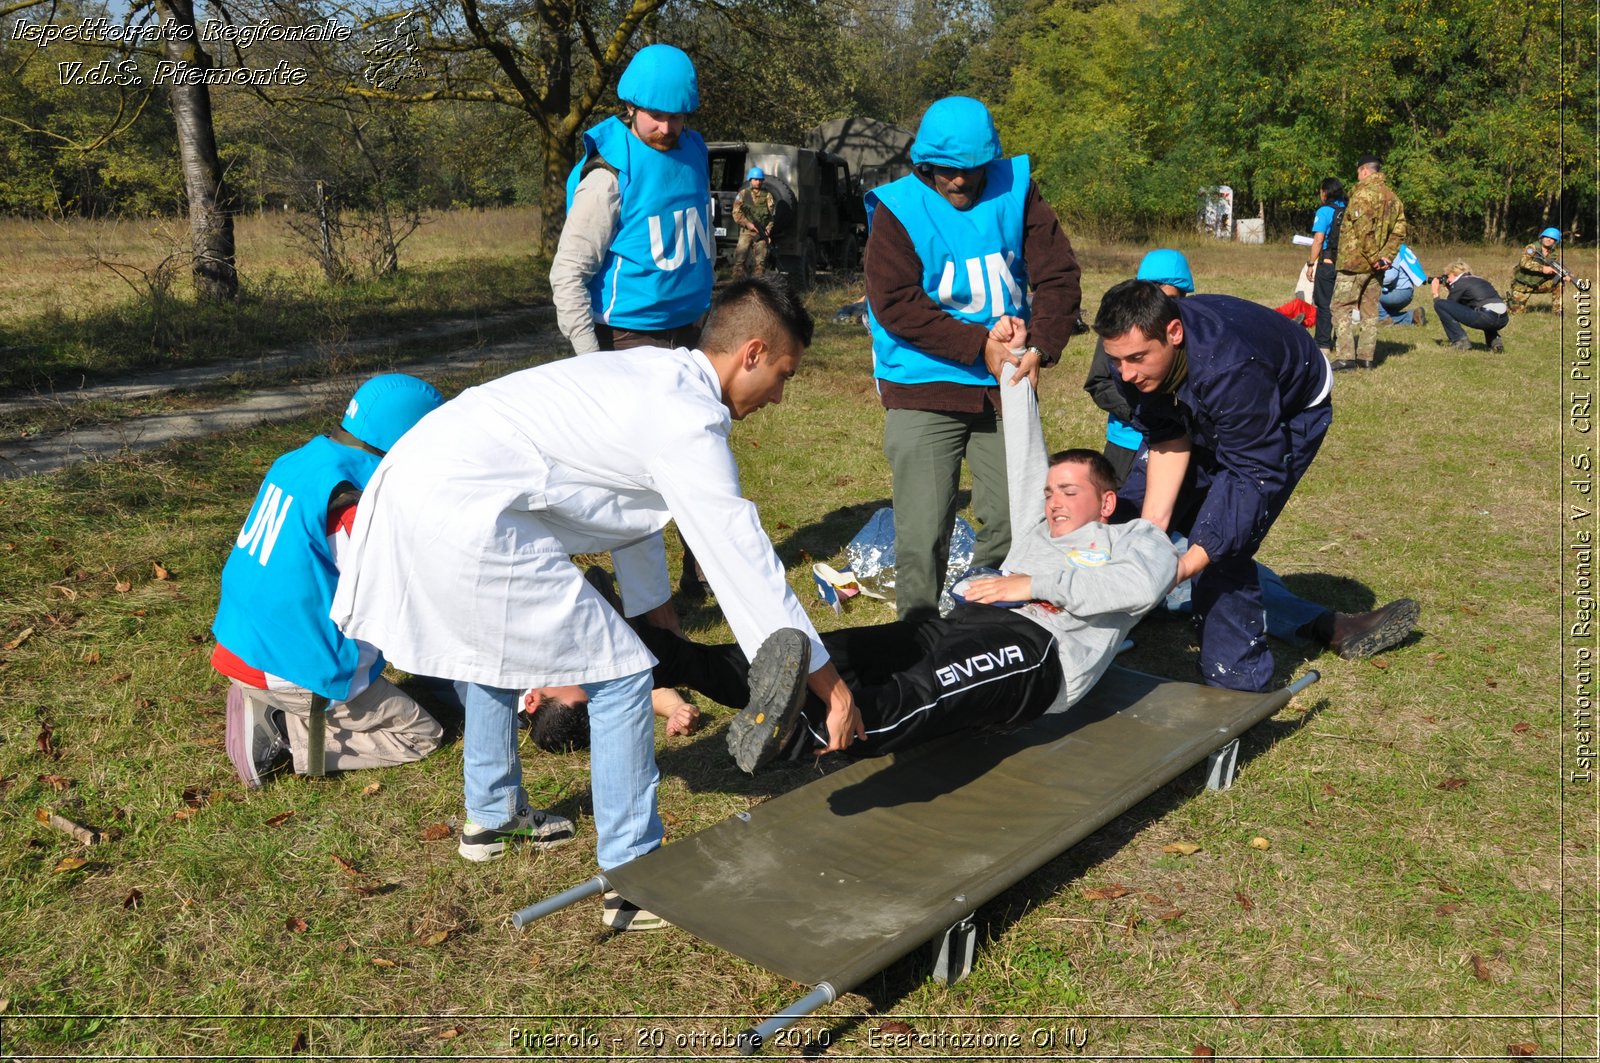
[[961, 819]]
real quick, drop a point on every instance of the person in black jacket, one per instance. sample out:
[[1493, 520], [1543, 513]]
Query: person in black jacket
[[1472, 303]]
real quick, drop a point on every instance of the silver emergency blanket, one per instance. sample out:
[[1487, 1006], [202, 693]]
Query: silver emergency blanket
[[871, 556]]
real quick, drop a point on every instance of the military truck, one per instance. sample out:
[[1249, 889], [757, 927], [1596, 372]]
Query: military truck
[[821, 220]]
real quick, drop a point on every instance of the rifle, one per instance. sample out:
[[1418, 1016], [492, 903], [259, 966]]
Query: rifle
[[1561, 271]]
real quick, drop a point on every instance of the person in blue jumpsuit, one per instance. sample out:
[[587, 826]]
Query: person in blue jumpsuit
[[1234, 400], [1289, 616]]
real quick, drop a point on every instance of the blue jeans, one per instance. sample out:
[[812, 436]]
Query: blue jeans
[[1392, 302], [1456, 318], [622, 763]]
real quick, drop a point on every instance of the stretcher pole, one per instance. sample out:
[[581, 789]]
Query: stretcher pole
[[317, 738], [751, 1040], [561, 900]]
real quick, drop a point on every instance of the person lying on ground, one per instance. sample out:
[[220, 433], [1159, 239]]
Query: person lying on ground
[[1073, 588]]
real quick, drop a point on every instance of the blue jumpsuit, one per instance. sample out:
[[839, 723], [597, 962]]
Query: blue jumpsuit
[[1255, 404]]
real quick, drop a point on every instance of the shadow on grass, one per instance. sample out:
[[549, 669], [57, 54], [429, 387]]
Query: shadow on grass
[[55, 351]]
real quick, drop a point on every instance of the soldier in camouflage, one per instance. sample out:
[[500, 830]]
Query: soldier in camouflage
[[1534, 275], [1373, 229], [753, 211]]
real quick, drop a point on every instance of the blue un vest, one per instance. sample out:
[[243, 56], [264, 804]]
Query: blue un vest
[[277, 585], [972, 265], [657, 272]]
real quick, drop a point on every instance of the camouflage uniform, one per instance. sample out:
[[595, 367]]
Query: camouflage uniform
[[1529, 279], [1374, 228], [754, 206]]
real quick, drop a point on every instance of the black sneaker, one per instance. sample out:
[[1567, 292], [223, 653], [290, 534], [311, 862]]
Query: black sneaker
[[1497, 345], [619, 914], [777, 696], [531, 826], [255, 743]]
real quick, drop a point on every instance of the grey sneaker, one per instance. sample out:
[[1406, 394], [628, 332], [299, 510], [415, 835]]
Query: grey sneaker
[[1462, 345], [777, 695], [1497, 345], [532, 826], [253, 741], [1419, 316], [619, 914]]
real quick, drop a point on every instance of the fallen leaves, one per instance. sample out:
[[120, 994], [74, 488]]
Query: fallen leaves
[[1181, 848], [1244, 902], [1258, 842], [47, 742], [371, 788], [895, 1027], [70, 863], [450, 1032], [435, 832], [438, 937], [1522, 727], [1202, 1052], [134, 898], [27, 633], [1480, 969], [1379, 662], [296, 925], [379, 961], [1522, 1048], [346, 866], [1107, 893], [1451, 784], [58, 782], [281, 818], [160, 571]]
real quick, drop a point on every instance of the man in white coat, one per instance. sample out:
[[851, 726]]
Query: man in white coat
[[461, 555]]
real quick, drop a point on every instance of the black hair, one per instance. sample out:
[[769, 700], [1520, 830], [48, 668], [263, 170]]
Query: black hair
[[557, 727], [1101, 474], [753, 307], [1333, 188], [1135, 305]]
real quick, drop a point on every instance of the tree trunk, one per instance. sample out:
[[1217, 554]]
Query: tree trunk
[[210, 223], [559, 158]]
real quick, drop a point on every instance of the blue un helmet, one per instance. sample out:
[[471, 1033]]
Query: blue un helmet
[[1166, 266], [661, 78], [756, 174], [957, 132], [1553, 233], [387, 406]]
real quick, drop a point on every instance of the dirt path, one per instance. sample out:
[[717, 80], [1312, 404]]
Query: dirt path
[[44, 453]]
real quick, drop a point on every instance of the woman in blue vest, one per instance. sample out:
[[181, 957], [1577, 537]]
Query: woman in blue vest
[[952, 253], [634, 263]]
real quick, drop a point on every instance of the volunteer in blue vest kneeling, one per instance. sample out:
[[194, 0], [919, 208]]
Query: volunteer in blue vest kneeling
[[633, 266], [274, 639], [953, 250]]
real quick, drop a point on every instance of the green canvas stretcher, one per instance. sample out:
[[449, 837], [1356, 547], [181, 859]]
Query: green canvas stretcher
[[830, 883]]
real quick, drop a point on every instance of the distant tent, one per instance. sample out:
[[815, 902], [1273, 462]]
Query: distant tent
[[876, 151]]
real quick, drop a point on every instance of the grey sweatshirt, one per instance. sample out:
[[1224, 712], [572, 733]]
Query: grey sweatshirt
[[1092, 585]]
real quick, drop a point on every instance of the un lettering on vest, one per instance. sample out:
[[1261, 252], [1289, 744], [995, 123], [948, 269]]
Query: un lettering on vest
[[262, 532], [952, 674], [992, 286], [691, 237]]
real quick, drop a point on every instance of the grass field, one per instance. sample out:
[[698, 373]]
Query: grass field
[[1428, 889]]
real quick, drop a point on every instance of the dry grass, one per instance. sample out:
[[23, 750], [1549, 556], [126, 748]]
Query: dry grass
[[1353, 936]]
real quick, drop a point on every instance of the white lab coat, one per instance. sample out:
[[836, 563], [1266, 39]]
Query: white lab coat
[[460, 553]]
